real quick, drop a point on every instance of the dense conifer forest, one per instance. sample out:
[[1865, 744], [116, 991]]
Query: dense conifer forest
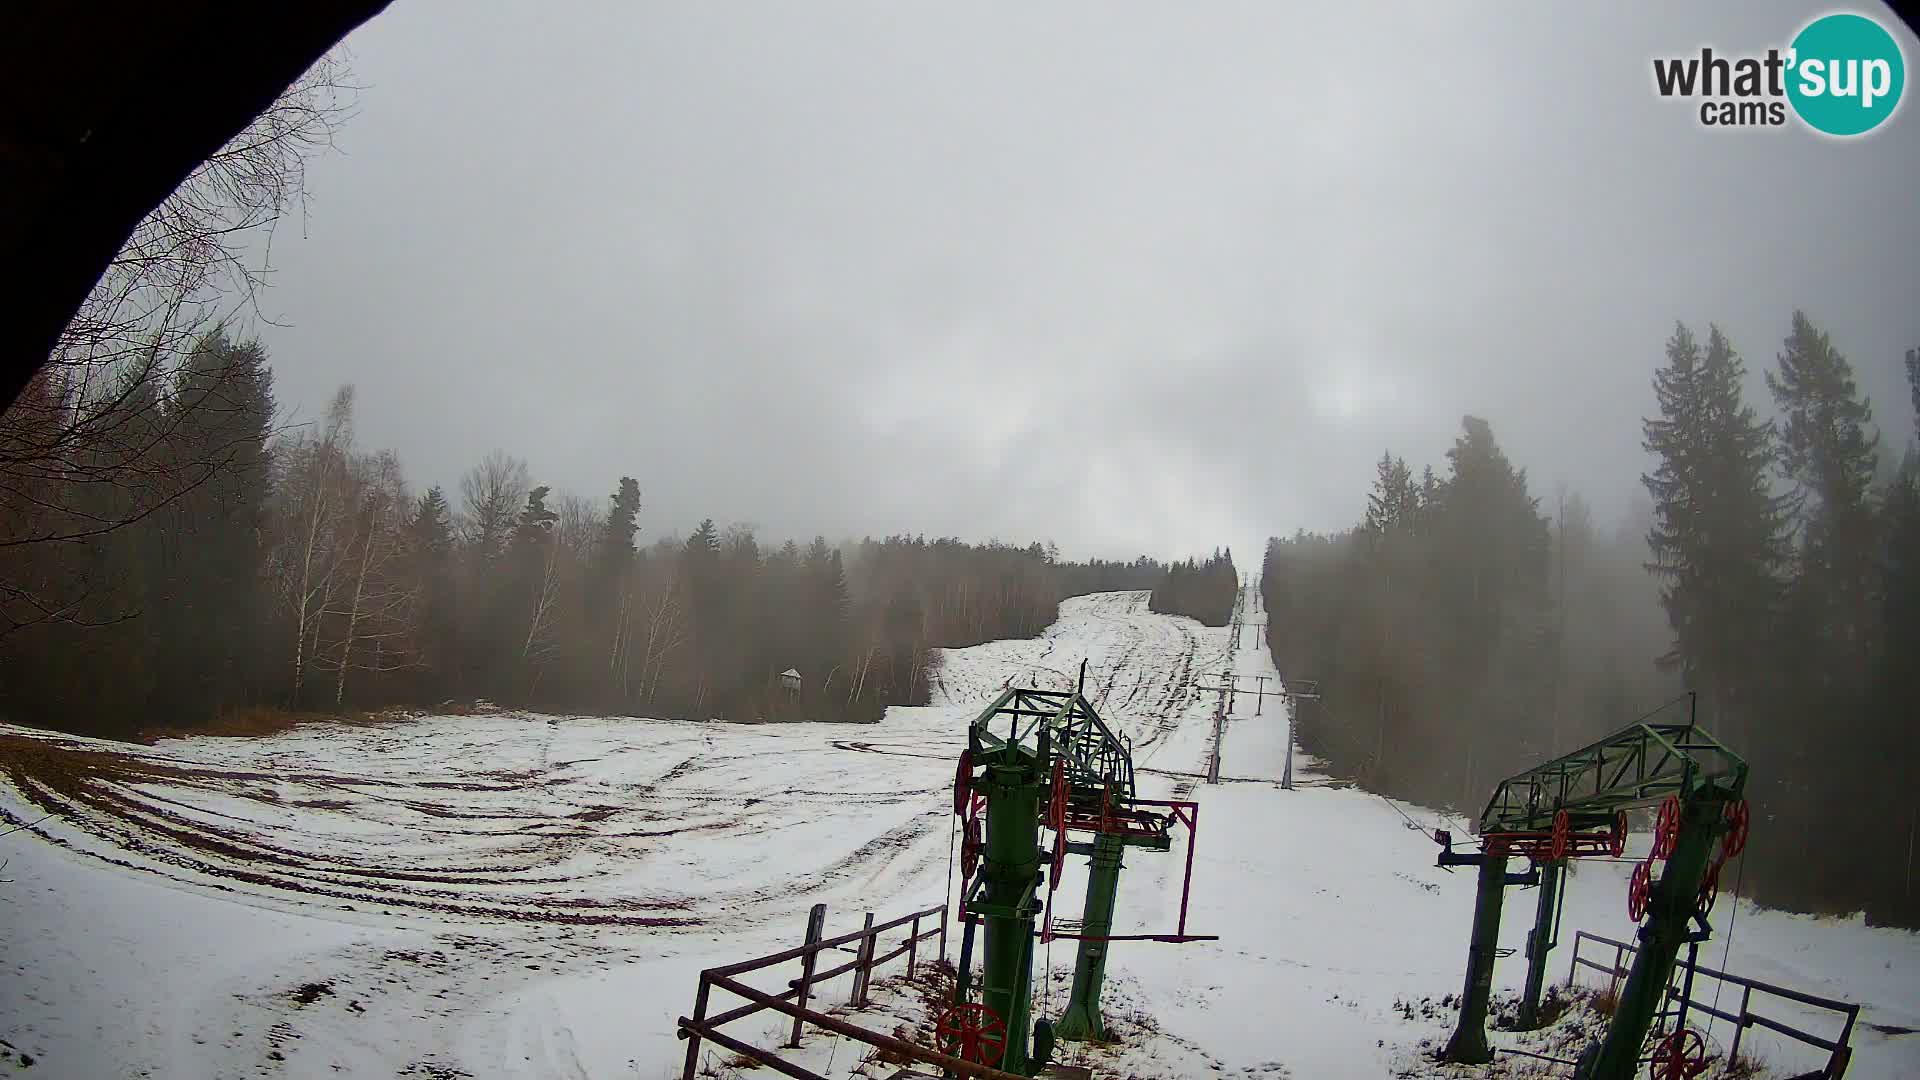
[[1199, 590], [1466, 627]]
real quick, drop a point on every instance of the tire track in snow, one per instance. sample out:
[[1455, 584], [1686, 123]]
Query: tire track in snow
[[555, 819]]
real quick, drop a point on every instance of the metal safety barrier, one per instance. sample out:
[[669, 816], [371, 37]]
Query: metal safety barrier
[[793, 1001], [1839, 1049]]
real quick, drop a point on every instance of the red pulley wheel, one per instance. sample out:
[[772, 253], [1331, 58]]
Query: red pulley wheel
[[1057, 805], [1709, 890], [970, 848], [1666, 827], [972, 1032], [963, 781], [1735, 841], [1617, 840], [1681, 1056], [1562, 831], [1639, 888]]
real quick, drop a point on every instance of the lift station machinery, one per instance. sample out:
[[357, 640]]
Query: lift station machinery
[[1576, 806], [1044, 759]]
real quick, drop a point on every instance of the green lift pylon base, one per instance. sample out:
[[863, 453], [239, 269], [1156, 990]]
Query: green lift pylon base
[[1082, 1021], [1540, 941], [1011, 871], [1674, 903], [1469, 1043]]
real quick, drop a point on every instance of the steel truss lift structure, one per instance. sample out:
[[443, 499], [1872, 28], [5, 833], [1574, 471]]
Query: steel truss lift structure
[[1039, 758], [1574, 807]]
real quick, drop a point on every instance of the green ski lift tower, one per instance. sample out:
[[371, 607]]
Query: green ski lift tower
[[1044, 761], [1576, 806]]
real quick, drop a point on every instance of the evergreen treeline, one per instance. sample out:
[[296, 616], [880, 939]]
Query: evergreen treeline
[[298, 570], [1199, 590], [1459, 633]]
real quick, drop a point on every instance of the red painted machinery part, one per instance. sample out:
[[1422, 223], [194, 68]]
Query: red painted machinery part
[[1709, 890], [972, 1032], [1735, 841], [1666, 827], [970, 848], [1639, 889], [1057, 804], [1680, 1056], [963, 781]]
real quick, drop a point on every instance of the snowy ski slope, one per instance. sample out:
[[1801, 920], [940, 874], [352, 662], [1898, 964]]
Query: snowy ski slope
[[532, 896]]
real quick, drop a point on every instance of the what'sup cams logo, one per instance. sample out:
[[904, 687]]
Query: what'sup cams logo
[[1842, 75]]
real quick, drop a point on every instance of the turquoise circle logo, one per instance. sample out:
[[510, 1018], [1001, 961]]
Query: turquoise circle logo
[[1847, 74]]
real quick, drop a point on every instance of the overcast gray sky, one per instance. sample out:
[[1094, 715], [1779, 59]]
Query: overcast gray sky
[[1131, 276]]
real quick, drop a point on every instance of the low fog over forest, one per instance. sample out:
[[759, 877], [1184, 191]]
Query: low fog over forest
[[1467, 628]]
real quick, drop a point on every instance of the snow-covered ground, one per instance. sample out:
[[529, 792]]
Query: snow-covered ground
[[531, 896]]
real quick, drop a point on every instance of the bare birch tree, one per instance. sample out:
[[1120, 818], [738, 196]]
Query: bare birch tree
[[667, 631], [491, 495], [565, 544], [373, 606], [90, 446], [184, 268], [538, 644], [305, 562]]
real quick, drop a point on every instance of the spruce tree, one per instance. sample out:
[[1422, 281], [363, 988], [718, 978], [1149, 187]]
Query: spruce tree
[[608, 595], [1829, 454], [831, 609], [1390, 505], [700, 575], [614, 553], [1913, 382], [1895, 756], [105, 584], [527, 599], [1718, 537], [430, 550], [745, 677], [1426, 500], [208, 538], [1491, 550], [1386, 663]]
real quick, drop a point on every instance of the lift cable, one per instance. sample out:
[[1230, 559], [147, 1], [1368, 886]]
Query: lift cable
[[1727, 951], [1658, 709], [953, 830], [1411, 824]]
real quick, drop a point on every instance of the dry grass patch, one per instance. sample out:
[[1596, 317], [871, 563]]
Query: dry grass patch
[[252, 722]]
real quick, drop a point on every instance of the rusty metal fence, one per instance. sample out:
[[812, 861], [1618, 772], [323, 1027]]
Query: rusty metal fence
[[1838, 1048], [792, 1002]]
